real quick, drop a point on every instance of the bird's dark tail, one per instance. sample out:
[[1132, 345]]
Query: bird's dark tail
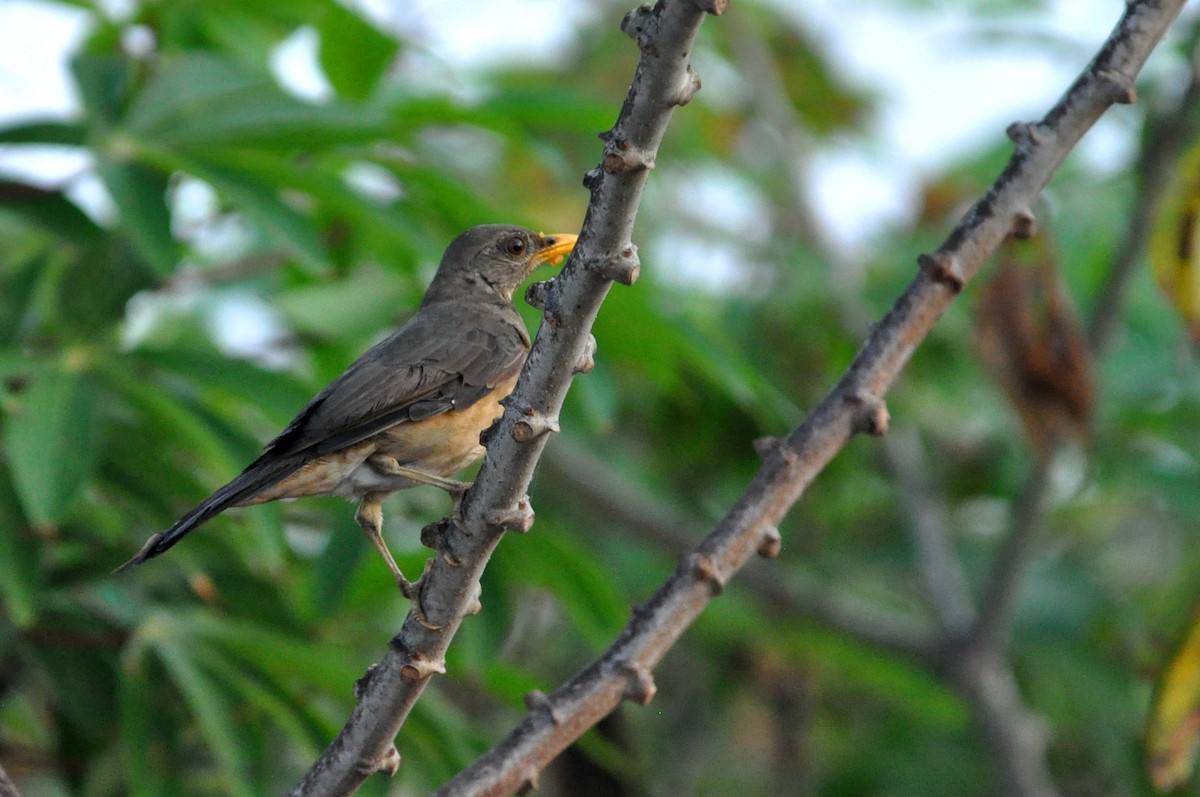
[[260, 475]]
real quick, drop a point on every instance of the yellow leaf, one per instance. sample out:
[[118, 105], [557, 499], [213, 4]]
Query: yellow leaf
[[1175, 245], [1174, 725]]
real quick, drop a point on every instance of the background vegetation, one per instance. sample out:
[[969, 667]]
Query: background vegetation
[[131, 385]]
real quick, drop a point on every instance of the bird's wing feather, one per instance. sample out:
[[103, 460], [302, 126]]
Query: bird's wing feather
[[414, 374]]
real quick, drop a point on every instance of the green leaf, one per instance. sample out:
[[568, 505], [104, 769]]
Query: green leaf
[[49, 210], [559, 564], [202, 100], [213, 711], [289, 711], [284, 658], [48, 132], [354, 53], [277, 395], [104, 83], [50, 437], [336, 565], [260, 199], [141, 196], [344, 310], [146, 760], [20, 575]]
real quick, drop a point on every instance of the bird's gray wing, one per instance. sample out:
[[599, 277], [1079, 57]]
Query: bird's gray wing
[[446, 357]]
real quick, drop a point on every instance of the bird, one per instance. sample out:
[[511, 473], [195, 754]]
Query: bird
[[411, 409]]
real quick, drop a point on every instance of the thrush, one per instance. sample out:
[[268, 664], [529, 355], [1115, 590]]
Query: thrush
[[410, 410]]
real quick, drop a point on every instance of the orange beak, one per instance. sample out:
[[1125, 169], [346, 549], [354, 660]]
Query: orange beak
[[553, 248]]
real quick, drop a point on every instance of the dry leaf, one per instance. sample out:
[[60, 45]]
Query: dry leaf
[[1031, 339]]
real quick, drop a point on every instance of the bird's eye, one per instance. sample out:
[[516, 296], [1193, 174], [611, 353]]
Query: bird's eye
[[515, 246]]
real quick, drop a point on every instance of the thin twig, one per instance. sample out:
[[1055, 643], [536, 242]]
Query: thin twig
[[942, 579], [1000, 595], [604, 253], [624, 670]]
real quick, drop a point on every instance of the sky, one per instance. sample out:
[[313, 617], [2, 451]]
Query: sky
[[943, 93]]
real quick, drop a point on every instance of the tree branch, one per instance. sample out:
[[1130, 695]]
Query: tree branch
[[1000, 595], [663, 80], [942, 579], [1016, 738], [854, 405]]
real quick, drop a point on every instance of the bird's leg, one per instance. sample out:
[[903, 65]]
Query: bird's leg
[[389, 466], [370, 517]]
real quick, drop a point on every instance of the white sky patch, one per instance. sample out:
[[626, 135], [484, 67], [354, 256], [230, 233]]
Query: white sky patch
[[89, 193], [483, 34], [373, 181], [295, 64], [193, 204], [243, 325], [36, 40], [855, 194], [696, 262], [944, 89], [724, 201]]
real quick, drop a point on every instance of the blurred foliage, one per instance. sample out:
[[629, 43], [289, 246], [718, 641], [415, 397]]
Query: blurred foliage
[[253, 242], [1174, 250]]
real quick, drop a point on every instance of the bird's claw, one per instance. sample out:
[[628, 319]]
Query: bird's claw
[[412, 591]]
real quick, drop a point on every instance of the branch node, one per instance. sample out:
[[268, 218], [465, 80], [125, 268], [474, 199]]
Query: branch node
[[533, 424], [640, 612], [389, 764], [538, 702], [475, 606], [489, 434], [771, 542], [636, 25], [765, 446], [360, 686], [704, 568], [529, 784], [517, 518], [714, 7], [542, 295], [870, 414], [687, 88], [591, 178], [624, 268], [945, 269], [620, 156], [436, 537], [419, 667], [1024, 134], [1118, 88], [639, 686], [587, 360], [1025, 224]]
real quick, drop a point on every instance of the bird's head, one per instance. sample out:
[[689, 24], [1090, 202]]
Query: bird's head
[[494, 259]]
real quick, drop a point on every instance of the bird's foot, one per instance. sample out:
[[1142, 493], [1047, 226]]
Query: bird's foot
[[370, 518], [412, 591]]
